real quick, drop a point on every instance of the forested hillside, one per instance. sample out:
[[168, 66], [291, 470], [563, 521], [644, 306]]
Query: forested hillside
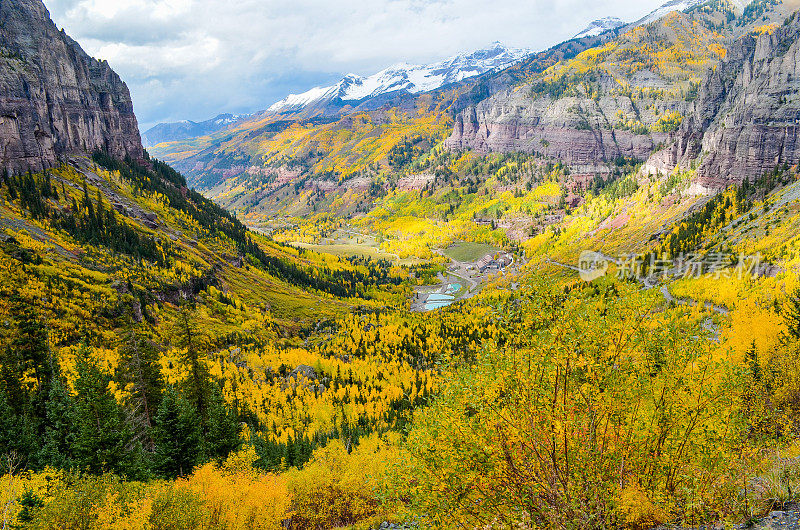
[[516, 302]]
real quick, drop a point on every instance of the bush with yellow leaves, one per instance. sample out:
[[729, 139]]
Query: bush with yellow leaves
[[238, 497], [635, 509], [338, 489]]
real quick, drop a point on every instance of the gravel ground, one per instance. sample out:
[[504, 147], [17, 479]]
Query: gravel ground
[[789, 517], [784, 519]]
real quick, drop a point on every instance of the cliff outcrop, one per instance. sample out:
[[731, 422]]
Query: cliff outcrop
[[55, 100], [747, 117]]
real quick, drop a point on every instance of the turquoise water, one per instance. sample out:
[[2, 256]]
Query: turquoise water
[[440, 300], [437, 301], [429, 306], [438, 297], [453, 288]]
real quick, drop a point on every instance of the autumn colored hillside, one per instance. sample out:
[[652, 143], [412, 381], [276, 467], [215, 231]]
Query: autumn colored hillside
[[564, 294]]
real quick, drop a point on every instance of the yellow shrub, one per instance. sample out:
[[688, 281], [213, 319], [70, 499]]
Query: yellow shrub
[[238, 497], [340, 489], [636, 510], [175, 507]]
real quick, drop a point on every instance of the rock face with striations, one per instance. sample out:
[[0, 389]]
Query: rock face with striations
[[743, 121], [605, 104], [55, 100], [747, 116], [573, 129]]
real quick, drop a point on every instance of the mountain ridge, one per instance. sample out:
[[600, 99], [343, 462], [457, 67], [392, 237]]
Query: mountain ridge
[[600, 26], [354, 88], [406, 77], [181, 130]]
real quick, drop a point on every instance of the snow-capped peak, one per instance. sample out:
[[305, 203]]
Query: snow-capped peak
[[669, 7], [409, 77], [600, 26]]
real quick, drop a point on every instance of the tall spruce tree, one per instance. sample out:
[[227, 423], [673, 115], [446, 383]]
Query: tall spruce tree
[[103, 440], [177, 436], [139, 368], [198, 384], [58, 428], [28, 355], [17, 436], [791, 315], [221, 427]]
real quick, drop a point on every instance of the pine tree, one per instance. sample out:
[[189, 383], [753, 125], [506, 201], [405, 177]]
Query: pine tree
[[31, 503], [17, 434], [198, 382], [176, 435], [139, 367], [59, 428], [221, 431], [103, 441], [29, 354]]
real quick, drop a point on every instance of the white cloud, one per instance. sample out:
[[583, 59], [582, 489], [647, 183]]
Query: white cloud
[[195, 58]]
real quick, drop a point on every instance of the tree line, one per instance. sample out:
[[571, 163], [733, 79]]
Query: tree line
[[156, 429]]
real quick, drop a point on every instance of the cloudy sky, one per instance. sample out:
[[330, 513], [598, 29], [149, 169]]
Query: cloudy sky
[[193, 59]]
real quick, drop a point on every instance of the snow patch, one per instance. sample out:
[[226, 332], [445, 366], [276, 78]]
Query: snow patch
[[600, 26], [669, 7]]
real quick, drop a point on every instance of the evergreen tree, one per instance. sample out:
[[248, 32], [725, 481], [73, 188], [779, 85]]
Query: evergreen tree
[[140, 368], [30, 503], [103, 441], [16, 435], [791, 316], [221, 431], [198, 384], [59, 428], [29, 354], [176, 435]]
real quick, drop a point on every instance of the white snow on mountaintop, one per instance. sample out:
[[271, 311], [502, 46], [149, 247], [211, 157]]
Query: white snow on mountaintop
[[599, 27], [672, 5], [410, 77], [602, 25], [297, 101], [227, 119]]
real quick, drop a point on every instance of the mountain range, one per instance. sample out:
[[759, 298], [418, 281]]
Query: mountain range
[[167, 132], [401, 77], [615, 102]]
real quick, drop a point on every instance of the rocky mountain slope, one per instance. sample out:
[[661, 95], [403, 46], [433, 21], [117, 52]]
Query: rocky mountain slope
[[611, 101], [630, 94], [55, 100], [318, 131], [626, 98], [745, 120]]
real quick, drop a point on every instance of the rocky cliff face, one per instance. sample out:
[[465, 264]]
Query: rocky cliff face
[[743, 120], [747, 117], [607, 102], [576, 130], [55, 100]]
